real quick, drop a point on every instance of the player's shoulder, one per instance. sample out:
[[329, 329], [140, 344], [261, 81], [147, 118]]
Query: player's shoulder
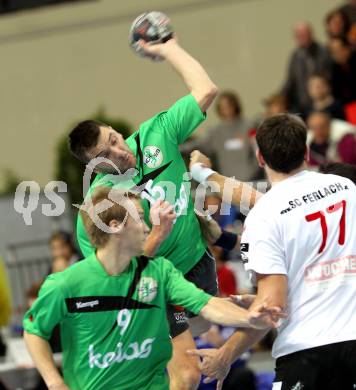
[[159, 262], [72, 275], [328, 177], [160, 265]]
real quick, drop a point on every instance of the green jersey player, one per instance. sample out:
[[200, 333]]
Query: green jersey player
[[154, 152], [112, 308]]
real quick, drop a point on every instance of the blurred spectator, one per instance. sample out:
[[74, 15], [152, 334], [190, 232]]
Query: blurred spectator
[[321, 148], [228, 144], [308, 58], [62, 250], [349, 10], [32, 293], [275, 104], [337, 24], [321, 98], [5, 304], [59, 264], [347, 148], [351, 37], [340, 169], [5, 296], [343, 73], [226, 277]]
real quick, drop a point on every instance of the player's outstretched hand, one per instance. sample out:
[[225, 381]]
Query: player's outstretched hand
[[198, 157], [158, 49], [264, 316], [162, 216], [213, 365]]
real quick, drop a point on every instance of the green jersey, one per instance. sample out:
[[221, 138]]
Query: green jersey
[[114, 329], [162, 175]]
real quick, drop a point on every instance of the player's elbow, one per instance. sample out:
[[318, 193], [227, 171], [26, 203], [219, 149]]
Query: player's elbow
[[211, 91], [206, 95]]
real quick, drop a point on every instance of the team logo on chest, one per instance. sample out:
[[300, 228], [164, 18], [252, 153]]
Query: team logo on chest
[[152, 156], [147, 289]]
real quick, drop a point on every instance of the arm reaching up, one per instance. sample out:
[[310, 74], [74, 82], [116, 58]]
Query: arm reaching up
[[193, 74]]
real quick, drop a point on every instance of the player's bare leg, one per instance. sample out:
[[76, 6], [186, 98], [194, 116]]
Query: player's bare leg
[[183, 370]]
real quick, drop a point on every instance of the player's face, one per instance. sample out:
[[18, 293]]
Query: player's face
[[112, 146], [136, 230]]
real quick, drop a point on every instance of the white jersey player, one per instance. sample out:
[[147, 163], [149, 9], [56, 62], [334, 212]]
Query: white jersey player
[[299, 245]]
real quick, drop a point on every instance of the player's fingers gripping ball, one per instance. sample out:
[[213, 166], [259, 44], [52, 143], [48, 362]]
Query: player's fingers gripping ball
[[152, 27]]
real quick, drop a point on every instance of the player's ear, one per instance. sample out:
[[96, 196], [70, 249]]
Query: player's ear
[[260, 159], [115, 226]]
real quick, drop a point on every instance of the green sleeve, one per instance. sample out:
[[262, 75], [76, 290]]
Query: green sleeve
[[181, 119], [181, 292], [47, 311], [82, 237]]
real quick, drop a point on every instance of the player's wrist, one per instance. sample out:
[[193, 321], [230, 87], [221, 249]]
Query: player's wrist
[[56, 385], [157, 234], [170, 49], [200, 173], [226, 354]]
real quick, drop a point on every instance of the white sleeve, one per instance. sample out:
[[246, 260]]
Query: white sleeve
[[261, 247]]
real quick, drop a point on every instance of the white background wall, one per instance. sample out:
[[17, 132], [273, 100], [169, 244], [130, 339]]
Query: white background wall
[[59, 64]]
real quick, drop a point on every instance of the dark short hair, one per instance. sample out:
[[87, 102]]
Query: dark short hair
[[83, 137], [232, 98], [282, 142], [340, 169]]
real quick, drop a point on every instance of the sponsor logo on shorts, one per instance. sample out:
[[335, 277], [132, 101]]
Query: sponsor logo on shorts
[[298, 386], [81, 305], [327, 270], [147, 289], [152, 156], [180, 317]]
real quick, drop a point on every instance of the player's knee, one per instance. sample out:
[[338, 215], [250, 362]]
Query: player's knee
[[188, 379]]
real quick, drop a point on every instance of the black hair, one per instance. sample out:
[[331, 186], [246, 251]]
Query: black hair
[[281, 140], [83, 137]]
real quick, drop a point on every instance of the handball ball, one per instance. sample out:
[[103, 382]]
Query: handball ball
[[151, 27]]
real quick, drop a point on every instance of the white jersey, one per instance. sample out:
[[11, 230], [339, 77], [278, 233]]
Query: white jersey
[[305, 228]]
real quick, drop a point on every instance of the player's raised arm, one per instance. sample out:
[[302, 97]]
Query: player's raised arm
[[193, 74]]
